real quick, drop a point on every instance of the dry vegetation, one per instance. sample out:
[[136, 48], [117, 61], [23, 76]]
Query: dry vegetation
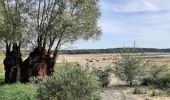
[[104, 60], [117, 89]]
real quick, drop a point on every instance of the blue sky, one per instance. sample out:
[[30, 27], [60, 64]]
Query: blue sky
[[124, 21]]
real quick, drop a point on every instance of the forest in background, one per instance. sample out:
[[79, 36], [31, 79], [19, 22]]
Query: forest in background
[[114, 50]]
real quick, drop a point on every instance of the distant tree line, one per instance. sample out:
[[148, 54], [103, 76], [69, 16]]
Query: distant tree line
[[112, 50]]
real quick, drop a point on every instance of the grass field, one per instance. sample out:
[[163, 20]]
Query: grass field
[[18, 91], [115, 89]]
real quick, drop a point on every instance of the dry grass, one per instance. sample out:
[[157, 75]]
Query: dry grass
[[115, 90], [104, 60]]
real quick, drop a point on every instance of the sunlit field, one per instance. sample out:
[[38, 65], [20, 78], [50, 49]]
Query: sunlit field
[[104, 60], [116, 89]]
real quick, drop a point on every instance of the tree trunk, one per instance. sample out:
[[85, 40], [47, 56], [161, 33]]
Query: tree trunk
[[38, 64], [12, 63], [131, 83]]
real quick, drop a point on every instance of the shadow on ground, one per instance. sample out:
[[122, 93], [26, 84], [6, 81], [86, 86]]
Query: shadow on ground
[[2, 79]]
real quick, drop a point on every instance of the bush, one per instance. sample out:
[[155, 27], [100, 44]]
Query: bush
[[156, 93], [70, 82], [103, 76], [18, 92], [138, 90], [166, 81], [129, 67], [158, 71], [34, 80], [158, 76], [163, 82]]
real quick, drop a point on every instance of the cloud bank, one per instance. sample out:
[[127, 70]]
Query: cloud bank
[[124, 21]]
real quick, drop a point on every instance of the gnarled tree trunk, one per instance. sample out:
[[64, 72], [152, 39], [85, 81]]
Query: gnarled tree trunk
[[38, 64], [12, 63]]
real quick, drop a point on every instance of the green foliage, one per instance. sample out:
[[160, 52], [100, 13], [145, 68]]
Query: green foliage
[[129, 67], [158, 75], [70, 82], [12, 21], [103, 76], [163, 82], [18, 92], [34, 80], [156, 93], [139, 90], [26, 21], [157, 71], [64, 20]]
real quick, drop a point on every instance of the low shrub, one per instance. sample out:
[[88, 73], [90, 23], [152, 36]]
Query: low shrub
[[156, 93], [103, 76], [130, 67], [70, 82], [138, 90], [158, 76], [35, 80], [157, 71]]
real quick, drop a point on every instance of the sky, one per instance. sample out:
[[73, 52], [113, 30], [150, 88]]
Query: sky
[[147, 22]]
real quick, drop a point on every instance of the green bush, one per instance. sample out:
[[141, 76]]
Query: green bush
[[129, 67], [70, 82], [34, 80], [158, 76], [163, 82], [103, 76], [156, 93], [138, 90], [18, 92], [157, 71], [166, 81]]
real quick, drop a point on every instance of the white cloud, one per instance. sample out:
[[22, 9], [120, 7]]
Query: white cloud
[[150, 6], [126, 21]]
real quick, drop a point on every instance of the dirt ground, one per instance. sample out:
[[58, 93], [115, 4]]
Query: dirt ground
[[117, 90]]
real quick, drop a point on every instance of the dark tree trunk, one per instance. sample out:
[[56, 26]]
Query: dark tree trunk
[[38, 64], [12, 63]]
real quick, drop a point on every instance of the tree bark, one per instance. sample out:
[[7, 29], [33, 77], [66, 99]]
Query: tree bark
[[12, 63]]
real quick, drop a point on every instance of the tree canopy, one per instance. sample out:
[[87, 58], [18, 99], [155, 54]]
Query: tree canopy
[[45, 25], [59, 21]]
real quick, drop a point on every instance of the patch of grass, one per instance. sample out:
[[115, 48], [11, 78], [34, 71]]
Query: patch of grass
[[18, 91], [1, 70], [1, 78]]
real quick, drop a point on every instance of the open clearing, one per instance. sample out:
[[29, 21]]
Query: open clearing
[[117, 90], [104, 60]]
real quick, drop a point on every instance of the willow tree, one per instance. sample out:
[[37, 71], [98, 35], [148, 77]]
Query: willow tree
[[56, 22], [61, 21], [12, 35], [50, 24]]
